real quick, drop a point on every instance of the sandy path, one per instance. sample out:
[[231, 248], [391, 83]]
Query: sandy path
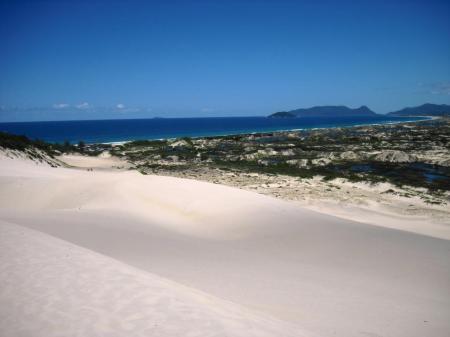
[[331, 276]]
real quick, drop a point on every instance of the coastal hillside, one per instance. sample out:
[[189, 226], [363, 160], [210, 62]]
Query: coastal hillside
[[325, 111], [424, 110], [427, 109]]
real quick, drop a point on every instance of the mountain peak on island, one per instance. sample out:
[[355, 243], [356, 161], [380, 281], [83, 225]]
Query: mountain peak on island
[[325, 111], [427, 109]]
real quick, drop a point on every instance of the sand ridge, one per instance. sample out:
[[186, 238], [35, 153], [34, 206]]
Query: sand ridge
[[327, 275]]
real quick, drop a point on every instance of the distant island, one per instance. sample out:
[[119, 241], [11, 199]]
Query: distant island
[[424, 110], [340, 111], [325, 111]]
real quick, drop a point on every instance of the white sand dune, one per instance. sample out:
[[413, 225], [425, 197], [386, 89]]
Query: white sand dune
[[329, 276], [49, 287], [103, 161]]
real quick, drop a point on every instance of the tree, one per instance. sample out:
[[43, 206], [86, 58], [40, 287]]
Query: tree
[[81, 146], [66, 146]]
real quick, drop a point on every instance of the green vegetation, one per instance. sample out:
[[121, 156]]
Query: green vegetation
[[403, 154], [81, 146], [21, 143], [356, 154]]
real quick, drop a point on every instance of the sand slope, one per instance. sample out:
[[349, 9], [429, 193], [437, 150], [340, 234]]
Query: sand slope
[[330, 276], [49, 287]]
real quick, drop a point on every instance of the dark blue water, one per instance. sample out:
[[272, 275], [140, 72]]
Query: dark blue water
[[105, 131], [362, 168], [431, 173]]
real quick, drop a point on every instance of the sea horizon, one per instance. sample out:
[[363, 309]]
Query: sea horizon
[[124, 130]]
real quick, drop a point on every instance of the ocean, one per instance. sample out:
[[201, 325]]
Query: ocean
[[120, 130]]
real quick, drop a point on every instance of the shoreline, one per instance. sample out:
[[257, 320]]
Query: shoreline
[[428, 118], [230, 134]]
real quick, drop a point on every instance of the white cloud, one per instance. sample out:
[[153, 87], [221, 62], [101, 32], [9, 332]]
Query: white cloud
[[120, 106], [60, 105], [84, 105], [436, 88], [441, 88]]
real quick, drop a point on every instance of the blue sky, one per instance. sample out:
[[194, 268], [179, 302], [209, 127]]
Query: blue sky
[[130, 59]]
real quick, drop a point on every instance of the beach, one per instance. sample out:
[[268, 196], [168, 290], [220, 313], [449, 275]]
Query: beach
[[224, 168], [113, 252]]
